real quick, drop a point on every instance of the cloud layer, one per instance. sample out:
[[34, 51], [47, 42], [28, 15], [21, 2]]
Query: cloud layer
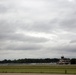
[[37, 28]]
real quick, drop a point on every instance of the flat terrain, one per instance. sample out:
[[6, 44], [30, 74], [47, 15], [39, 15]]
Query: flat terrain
[[38, 69], [31, 74]]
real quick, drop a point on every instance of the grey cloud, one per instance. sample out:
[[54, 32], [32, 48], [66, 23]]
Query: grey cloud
[[40, 27], [44, 26], [69, 24], [67, 14], [23, 46], [5, 7], [6, 26], [64, 48], [73, 41], [9, 26], [51, 17], [2, 9]]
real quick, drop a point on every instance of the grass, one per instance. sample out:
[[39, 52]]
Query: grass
[[53, 69]]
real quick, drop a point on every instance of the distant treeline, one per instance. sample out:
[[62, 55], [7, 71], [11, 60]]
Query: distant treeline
[[47, 60]]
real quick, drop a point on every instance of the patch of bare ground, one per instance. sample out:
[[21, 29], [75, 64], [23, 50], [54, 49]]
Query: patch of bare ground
[[31, 74]]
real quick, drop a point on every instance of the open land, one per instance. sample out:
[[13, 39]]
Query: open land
[[30, 74], [37, 69]]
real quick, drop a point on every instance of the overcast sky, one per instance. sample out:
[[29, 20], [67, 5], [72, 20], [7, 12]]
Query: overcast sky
[[37, 29]]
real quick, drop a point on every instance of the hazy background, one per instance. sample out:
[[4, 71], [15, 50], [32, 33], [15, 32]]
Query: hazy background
[[37, 29]]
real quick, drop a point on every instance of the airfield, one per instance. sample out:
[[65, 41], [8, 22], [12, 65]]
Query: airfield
[[31, 74], [37, 69]]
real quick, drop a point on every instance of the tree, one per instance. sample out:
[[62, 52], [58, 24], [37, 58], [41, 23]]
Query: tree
[[73, 61]]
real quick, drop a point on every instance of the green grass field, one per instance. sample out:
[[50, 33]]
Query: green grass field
[[52, 69]]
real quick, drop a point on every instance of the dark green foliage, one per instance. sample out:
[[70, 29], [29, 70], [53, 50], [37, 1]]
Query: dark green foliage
[[73, 61], [47, 60]]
